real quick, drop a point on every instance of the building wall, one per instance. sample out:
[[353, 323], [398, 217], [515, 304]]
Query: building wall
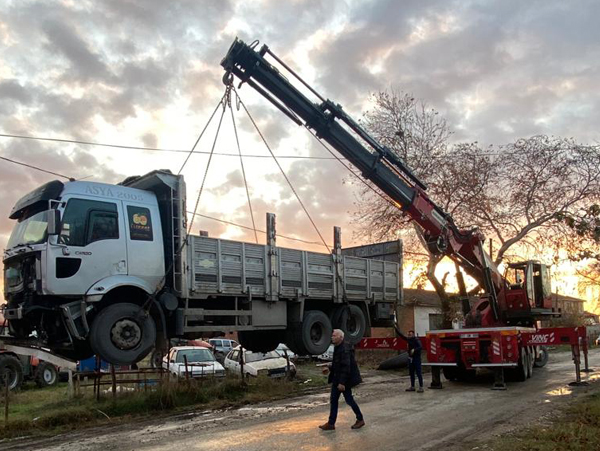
[[421, 321], [567, 306]]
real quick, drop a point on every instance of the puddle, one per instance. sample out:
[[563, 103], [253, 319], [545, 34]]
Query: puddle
[[561, 391]]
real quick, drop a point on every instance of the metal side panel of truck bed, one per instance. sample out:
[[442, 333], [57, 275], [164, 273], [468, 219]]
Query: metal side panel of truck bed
[[225, 267]]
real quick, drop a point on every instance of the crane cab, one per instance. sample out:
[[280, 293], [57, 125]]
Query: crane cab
[[528, 291]]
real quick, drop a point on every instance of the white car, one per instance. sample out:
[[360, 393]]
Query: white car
[[268, 364], [282, 349], [327, 355], [201, 362]]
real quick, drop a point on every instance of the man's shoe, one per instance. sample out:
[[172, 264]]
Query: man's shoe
[[410, 389], [328, 427], [420, 390], [358, 424]]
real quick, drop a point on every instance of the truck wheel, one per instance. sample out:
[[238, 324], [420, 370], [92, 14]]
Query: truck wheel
[[520, 372], [542, 359], [339, 317], [356, 326], [531, 355], [450, 372], [315, 332], [46, 375], [123, 334], [260, 340], [293, 339], [11, 368]]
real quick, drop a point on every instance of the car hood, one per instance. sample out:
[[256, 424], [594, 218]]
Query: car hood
[[203, 367], [269, 364]]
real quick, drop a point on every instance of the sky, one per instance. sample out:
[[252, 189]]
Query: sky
[[146, 73]]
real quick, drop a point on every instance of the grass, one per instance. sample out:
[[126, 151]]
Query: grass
[[51, 411], [575, 429]]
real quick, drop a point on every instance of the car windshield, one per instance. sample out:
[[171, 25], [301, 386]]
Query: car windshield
[[31, 230], [195, 356], [257, 356]]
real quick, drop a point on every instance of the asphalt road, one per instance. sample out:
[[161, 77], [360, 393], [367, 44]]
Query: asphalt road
[[458, 417]]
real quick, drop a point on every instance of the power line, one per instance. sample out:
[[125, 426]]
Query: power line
[[158, 149], [36, 168], [257, 230], [283, 172]]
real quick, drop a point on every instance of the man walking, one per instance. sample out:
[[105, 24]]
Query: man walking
[[414, 359], [343, 375]]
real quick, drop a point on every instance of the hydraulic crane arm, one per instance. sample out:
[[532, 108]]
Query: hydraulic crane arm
[[379, 165]]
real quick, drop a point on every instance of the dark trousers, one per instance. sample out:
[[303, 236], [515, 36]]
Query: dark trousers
[[335, 397], [414, 365]]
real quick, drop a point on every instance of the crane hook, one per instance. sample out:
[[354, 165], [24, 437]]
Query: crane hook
[[228, 78]]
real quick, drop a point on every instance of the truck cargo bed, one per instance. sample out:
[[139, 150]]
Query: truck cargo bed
[[219, 266]]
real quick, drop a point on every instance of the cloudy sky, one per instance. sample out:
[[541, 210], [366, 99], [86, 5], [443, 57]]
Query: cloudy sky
[[147, 73]]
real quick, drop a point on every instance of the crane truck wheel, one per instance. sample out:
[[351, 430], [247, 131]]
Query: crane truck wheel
[[450, 372], [314, 335], [11, 368], [122, 334], [542, 359], [46, 375]]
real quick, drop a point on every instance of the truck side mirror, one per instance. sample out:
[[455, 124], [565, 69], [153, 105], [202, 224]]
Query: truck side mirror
[[53, 222]]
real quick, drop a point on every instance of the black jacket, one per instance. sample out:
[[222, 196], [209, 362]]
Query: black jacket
[[344, 369], [413, 344]]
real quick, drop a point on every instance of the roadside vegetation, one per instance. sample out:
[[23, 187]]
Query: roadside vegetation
[[575, 429], [51, 411]]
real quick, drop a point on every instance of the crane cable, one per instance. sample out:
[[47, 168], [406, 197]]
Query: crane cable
[[242, 164], [281, 169]]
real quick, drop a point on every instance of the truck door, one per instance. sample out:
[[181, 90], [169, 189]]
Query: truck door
[[145, 248], [90, 247]]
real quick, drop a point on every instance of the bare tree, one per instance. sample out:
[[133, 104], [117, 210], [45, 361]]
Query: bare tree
[[514, 193]]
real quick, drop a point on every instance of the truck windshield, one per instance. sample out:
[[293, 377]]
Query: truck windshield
[[29, 230]]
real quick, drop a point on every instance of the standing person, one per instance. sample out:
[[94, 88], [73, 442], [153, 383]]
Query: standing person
[[414, 359], [343, 375]]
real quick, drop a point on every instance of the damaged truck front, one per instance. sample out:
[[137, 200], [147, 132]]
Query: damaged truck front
[[94, 268]]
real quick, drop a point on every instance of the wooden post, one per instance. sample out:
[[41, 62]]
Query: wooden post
[[70, 388], [6, 374], [114, 382], [242, 365], [97, 378], [187, 376], [287, 363]]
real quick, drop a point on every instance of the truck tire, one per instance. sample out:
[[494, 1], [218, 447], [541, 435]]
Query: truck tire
[[531, 362], [450, 372], [339, 317], [356, 326], [293, 339], [315, 333], [46, 375], [260, 340], [519, 374], [10, 367], [542, 359], [122, 334]]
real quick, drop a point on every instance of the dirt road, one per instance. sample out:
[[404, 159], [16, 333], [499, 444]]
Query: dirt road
[[454, 418]]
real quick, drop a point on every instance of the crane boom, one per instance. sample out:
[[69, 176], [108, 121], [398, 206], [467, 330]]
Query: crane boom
[[376, 162]]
